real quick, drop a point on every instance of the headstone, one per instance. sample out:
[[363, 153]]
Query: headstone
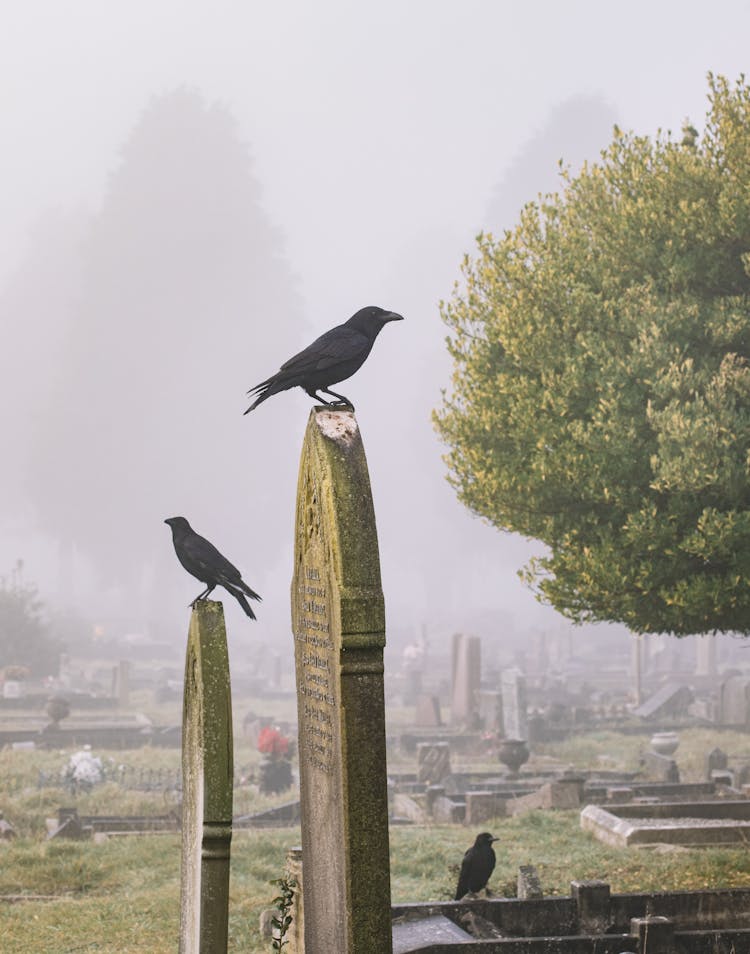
[[529, 886], [592, 899], [735, 701], [715, 760], [428, 712], [207, 779], [433, 761], [672, 699], [660, 767], [515, 719], [338, 620], [705, 655], [121, 683], [412, 686], [489, 704], [467, 672]]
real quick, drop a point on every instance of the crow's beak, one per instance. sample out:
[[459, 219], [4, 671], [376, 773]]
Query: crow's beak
[[392, 316]]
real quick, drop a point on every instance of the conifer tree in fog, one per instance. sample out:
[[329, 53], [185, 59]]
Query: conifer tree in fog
[[184, 292]]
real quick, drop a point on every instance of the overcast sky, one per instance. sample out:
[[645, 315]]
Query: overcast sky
[[381, 134]]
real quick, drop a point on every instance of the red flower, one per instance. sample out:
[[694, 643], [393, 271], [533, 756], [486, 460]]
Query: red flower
[[272, 742]]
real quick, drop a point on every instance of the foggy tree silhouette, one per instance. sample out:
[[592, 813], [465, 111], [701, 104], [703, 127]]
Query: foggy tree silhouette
[[575, 131], [184, 290], [35, 304]]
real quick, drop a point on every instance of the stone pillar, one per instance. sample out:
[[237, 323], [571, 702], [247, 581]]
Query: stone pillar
[[122, 683], [467, 674], [705, 655], [207, 775], [515, 719], [592, 900], [338, 620]]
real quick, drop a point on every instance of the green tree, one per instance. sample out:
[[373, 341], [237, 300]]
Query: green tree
[[24, 635], [601, 386]]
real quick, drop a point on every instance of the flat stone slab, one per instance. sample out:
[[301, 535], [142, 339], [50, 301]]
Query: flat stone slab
[[694, 824], [415, 935]]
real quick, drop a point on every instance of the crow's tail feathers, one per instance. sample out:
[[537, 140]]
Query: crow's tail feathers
[[279, 382], [240, 597], [251, 593], [262, 391]]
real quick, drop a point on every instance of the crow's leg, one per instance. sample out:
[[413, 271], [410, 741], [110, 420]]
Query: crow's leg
[[316, 397], [340, 399], [202, 596]]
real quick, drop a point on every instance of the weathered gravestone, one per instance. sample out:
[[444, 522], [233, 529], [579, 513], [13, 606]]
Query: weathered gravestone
[[466, 676], [207, 773], [433, 761], [515, 718], [338, 620], [734, 707], [428, 712]]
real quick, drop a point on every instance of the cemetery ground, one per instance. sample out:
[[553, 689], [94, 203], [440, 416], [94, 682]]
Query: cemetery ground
[[122, 895]]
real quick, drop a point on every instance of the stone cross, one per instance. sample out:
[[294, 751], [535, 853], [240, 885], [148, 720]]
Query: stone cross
[[207, 773], [338, 621]]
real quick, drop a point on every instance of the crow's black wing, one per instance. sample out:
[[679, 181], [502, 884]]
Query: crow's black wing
[[205, 555], [465, 875], [340, 348], [338, 344]]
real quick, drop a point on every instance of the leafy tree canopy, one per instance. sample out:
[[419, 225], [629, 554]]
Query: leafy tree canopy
[[601, 386]]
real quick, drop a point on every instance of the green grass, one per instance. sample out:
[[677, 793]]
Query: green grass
[[123, 895]]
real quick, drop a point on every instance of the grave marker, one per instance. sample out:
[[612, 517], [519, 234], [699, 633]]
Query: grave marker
[[515, 719], [207, 776], [338, 621], [467, 673]]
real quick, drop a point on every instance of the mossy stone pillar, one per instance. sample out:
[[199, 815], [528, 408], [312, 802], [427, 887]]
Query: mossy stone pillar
[[338, 620], [207, 777]]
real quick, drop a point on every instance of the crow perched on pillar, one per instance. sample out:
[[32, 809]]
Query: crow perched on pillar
[[331, 358], [205, 563], [477, 866]]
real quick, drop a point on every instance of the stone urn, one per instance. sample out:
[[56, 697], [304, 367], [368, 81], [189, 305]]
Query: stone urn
[[57, 708], [513, 753], [665, 743]]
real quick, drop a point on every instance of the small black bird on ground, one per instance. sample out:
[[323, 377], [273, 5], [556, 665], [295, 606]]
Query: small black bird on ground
[[205, 563], [477, 866], [331, 358]]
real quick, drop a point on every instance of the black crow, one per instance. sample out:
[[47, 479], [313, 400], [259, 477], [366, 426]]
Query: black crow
[[205, 563], [477, 866], [331, 358]]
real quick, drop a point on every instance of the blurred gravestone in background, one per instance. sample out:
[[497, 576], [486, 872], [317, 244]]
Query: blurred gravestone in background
[[466, 678]]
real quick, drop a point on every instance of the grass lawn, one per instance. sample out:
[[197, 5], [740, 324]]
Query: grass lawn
[[123, 896]]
